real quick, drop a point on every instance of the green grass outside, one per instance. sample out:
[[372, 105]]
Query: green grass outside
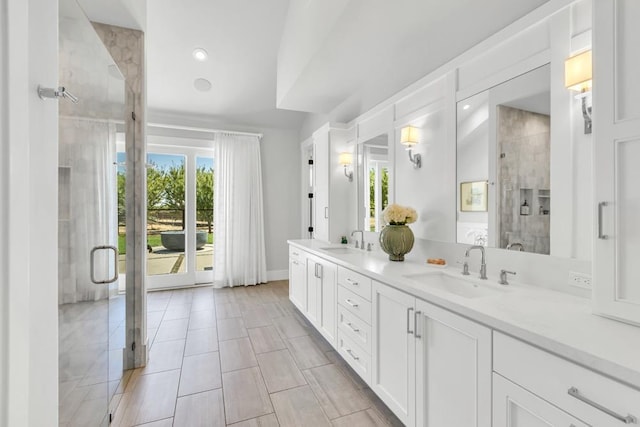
[[152, 239]]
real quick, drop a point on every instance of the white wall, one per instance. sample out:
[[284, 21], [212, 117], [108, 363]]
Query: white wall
[[280, 152], [29, 211]]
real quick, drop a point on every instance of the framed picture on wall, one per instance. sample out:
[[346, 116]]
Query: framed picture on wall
[[473, 196]]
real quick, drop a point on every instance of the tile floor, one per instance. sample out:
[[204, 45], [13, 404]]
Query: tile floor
[[244, 357]]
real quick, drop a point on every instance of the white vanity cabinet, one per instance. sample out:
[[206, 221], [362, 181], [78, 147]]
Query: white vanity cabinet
[[430, 366], [321, 296], [616, 145], [298, 278], [514, 406], [576, 392]]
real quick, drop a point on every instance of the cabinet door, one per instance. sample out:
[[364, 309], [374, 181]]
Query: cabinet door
[[321, 185], [313, 284], [453, 369], [328, 302], [298, 283], [616, 145], [514, 406], [393, 373]]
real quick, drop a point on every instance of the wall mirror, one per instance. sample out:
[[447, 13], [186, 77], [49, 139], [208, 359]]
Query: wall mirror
[[374, 175], [508, 173]]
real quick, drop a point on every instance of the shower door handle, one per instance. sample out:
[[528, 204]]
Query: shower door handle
[[115, 266]]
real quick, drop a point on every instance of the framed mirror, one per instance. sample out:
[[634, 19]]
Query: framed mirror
[[374, 175], [505, 166]]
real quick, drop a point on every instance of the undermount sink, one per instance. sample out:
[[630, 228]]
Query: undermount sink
[[459, 286], [341, 250]]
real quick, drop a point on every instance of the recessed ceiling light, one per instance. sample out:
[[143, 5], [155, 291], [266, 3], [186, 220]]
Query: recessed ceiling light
[[203, 85], [466, 107], [200, 54]]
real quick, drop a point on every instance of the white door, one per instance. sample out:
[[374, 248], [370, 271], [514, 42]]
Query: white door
[[453, 369], [298, 283], [180, 229], [321, 185], [393, 356], [328, 301], [617, 150], [314, 274], [514, 406]]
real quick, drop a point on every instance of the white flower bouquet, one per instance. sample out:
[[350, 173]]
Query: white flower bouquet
[[395, 214]]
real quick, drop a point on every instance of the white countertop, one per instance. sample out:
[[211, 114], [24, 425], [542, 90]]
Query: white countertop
[[560, 323]]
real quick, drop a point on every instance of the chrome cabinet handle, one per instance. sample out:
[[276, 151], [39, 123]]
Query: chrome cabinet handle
[[415, 323], [352, 355], [295, 262], [629, 419], [351, 282], [320, 271], [315, 272], [92, 267], [295, 253], [351, 303], [350, 325], [409, 310], [601, 235], [326, 212]]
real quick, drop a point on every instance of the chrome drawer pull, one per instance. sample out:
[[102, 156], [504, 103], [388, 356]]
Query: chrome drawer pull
[[415, 323], [409, 310], [352, 355], [351, 303], [351, 282], [629, 419], [295, 253], [601, 235], [352, 328]]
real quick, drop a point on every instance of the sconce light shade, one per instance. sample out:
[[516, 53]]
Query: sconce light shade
[[578, 77], [409, 136], [578, 72], [345, 159]]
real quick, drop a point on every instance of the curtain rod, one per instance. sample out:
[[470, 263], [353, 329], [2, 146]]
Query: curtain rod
[[198, 129]]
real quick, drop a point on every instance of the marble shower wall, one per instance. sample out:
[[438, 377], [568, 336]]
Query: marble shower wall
[[524, 174], [126, 46]]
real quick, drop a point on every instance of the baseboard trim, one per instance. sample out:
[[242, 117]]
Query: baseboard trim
[[277, 275]]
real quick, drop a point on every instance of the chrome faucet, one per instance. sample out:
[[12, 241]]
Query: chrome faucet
[[361, 238], [515, 245], [483, 263]]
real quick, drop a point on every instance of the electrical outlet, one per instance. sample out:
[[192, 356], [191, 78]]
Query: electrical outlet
[[580, 280]]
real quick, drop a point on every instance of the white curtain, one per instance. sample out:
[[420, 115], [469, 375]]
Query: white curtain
[[239, 249]]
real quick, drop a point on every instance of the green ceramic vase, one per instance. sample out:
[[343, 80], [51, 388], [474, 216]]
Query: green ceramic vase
[[396, 240]]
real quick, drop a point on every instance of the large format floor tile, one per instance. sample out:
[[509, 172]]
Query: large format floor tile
[[200, 410], [245, 395], [280, 371], [299, 407]]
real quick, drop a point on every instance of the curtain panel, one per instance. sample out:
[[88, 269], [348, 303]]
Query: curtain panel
[[239, 247]]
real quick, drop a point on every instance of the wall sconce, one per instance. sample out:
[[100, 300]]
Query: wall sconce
[[409, 138], [346, 159], [578, 77]]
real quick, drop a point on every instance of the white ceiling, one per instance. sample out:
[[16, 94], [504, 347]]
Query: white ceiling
[[323, 56]]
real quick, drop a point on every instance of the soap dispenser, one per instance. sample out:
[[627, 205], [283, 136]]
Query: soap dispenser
[[524, 208]]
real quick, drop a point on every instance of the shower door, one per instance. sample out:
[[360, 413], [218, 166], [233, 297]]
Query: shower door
[[91, 311]]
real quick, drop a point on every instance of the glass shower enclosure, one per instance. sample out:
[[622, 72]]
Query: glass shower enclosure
[[91, 310]]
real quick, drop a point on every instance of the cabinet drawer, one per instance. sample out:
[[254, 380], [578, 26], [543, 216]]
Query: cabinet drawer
[[296, 254], [591, 397], [355, 304], [355, 356], [355, 282], [354, 328]]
